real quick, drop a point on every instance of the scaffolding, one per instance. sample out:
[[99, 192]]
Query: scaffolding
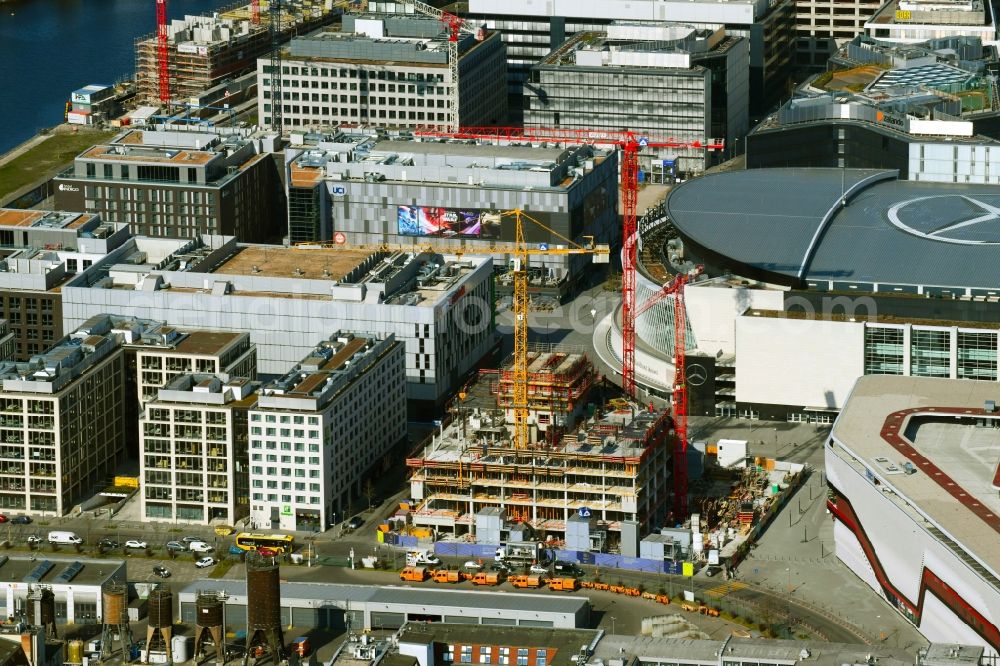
[[205, 51]]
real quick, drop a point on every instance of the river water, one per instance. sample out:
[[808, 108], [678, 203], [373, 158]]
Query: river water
[[49, 48]]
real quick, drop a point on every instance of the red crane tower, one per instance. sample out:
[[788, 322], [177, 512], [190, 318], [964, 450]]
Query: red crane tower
[[630, 144], [679, 396], [162, 54]]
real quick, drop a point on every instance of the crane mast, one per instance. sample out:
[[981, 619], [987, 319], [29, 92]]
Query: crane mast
[[162, 52], [277, 103]]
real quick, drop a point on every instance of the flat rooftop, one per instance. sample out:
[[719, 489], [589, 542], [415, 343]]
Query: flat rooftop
[[931, 424], [10, 217], [311, 263], [206, 342], [91, 572], [149, 154], [398, 594], [565, 642]]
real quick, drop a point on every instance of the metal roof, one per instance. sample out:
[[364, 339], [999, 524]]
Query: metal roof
[[397, 594], [790, 223]]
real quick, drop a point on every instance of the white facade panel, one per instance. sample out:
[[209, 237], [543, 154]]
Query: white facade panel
[[712, 312], [813, 363]]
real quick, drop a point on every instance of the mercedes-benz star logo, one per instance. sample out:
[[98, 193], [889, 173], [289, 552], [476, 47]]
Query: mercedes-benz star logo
[[950, 218], [697, 374]]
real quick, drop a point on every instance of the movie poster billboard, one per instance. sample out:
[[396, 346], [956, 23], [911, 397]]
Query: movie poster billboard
[[447, 222]]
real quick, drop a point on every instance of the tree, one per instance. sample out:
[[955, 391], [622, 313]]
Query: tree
[[368, 491]]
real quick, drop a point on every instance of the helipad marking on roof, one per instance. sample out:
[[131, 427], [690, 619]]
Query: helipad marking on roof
[[947, 232]]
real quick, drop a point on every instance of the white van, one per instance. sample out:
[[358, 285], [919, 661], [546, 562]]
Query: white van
[[421, 557], [64, 538]]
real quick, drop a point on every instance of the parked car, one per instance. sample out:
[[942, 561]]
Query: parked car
[[135, 543], [712, 569], [107, 543], [500, 567], [176, 546], [192, 539], [162, 572], [538, 569], [205, 562], [472, 565], [355, 522], [199, 547], [3, 518], [21, 520], [567, 568], [34, 539], [264, 551]]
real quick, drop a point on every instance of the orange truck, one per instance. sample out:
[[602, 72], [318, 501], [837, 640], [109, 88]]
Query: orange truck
[[526, 581], [418, 574], [487, 578], [563, 584], [448, 576]]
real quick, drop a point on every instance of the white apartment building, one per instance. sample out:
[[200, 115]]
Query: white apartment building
[[193, 439], [387, 70], [61, 423], [318, 430]]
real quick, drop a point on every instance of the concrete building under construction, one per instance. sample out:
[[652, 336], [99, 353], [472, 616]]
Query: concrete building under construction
[[205, 51], [610, 467]]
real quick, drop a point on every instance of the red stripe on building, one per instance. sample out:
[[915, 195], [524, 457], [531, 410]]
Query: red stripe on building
[[929, 581], [891, 433]]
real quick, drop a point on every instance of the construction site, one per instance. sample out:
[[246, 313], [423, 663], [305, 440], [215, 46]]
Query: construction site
[[206, 51], [611, 464]]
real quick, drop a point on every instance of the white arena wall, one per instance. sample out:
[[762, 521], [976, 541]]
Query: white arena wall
[[904, 548], [813, 363]]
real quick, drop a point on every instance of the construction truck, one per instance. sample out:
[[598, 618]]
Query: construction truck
[[448, 576], [526, 581], [418, 574], [563, 584], [487, 578]]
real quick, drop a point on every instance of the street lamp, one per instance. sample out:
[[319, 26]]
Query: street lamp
[[612, 624]]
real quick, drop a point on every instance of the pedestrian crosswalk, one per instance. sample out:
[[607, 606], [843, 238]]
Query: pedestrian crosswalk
[[722, 590]]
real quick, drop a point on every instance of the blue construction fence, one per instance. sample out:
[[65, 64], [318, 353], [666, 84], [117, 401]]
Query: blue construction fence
[[460, 549], [488, 551], [613, 561]]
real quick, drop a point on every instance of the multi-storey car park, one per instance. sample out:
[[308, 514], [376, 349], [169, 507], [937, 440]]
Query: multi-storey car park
[[438, 306], [387, 70], [827, 274], [913, 476], [321, 428], [367, 188]]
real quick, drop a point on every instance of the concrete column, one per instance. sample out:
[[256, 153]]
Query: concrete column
[[70, 606]]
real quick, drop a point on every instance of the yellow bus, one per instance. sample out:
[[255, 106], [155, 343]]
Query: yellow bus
[[279, 543]]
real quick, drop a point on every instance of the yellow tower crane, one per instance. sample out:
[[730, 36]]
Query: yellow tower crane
[[521, 250]]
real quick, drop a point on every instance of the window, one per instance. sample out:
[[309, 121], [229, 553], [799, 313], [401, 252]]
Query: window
[[883, 351], [504, 656], [930, 353], [522, 656], [540, 657], [485, 653], [466, 654]]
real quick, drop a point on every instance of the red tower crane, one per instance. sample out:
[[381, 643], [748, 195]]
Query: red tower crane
[[630, 143], [162, 53], [255, 12], [679, 396]]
